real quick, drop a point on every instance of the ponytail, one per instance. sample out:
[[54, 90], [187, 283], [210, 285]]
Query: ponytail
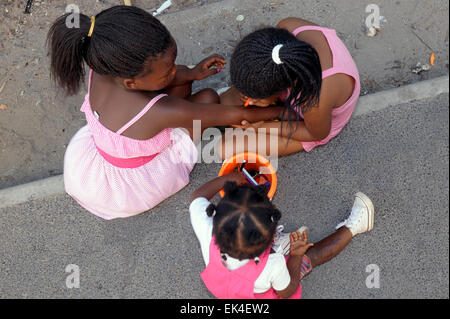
[[122, 41], [276, 60], [67, 51]]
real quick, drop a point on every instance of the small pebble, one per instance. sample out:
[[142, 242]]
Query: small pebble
[[371, 32]]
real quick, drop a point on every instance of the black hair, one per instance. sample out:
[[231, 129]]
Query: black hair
[[244, 221], [255, 74], [123, 39]]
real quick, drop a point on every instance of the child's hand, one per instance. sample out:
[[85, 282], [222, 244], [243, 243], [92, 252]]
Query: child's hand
[[299, 244], [256, 102], [237, 177], [246, 125], [209, 66]]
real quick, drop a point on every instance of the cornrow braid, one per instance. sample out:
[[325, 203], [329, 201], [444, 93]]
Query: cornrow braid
[[255, 74], [245, 221]]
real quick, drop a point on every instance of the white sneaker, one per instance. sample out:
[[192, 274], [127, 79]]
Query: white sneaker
[[282, 242], [362, 215]]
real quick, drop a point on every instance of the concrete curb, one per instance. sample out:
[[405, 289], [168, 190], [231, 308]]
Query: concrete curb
[[370, 103], [404, 94], [35, 190]]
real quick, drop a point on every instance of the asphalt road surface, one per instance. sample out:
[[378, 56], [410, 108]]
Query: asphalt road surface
[[398, 156]]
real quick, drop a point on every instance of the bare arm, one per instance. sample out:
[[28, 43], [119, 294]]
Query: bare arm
[[300, 133], [293, 264], [315, 127], [207, 67], [211, 188], [316, 124], [175, 112], [299, 245]]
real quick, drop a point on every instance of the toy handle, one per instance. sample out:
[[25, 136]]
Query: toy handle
[[249, 177]]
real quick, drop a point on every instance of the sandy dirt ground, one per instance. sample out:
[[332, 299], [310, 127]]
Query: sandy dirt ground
[[37, 121]]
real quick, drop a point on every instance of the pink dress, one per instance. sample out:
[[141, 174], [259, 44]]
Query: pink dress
[[342, 63], [239, 283], [114, 176]]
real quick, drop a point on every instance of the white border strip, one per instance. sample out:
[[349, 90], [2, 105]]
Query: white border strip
[[370, 103]]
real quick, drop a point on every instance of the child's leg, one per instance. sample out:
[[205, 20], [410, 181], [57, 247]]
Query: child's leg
[[360, 221], [329, 247], [230, 97], [238, 141], [181, 91], [205, 96]]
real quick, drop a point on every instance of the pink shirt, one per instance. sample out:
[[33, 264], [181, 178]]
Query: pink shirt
[[239, 283]]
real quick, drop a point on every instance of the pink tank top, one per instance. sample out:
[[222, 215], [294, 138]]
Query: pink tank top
[[239, 283], [119, 150]]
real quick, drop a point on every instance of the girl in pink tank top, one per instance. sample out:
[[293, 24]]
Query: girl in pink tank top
[[137, 148], [306, 68], [241, 263]]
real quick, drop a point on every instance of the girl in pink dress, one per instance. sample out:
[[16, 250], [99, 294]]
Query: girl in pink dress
[[133, 154], [305, 67], [247, 256]]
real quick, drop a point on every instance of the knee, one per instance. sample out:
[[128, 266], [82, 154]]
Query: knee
[[208, 96]]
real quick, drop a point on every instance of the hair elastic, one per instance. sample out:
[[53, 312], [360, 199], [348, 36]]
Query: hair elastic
[[276, 54], [92, 27]]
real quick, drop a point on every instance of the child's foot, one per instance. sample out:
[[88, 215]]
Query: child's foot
[[362, 215], [282, 243]]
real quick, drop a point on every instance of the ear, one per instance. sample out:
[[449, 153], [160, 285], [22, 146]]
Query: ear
[[130, 84]]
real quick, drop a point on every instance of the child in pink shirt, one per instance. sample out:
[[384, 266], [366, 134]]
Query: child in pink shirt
[[303, 66], [138, 146], [246, 254]]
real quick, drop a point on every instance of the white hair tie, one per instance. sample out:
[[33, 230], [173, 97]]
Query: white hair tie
[[276, 54]]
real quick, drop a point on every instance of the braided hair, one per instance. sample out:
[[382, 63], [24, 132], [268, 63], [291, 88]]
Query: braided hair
[[123, 40], [244, 221], [255, 73]]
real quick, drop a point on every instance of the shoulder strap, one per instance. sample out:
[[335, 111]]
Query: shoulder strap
[[90, 81], [140, 114]]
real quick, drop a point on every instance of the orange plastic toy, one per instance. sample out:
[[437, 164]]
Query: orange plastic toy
[[252, 162]]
